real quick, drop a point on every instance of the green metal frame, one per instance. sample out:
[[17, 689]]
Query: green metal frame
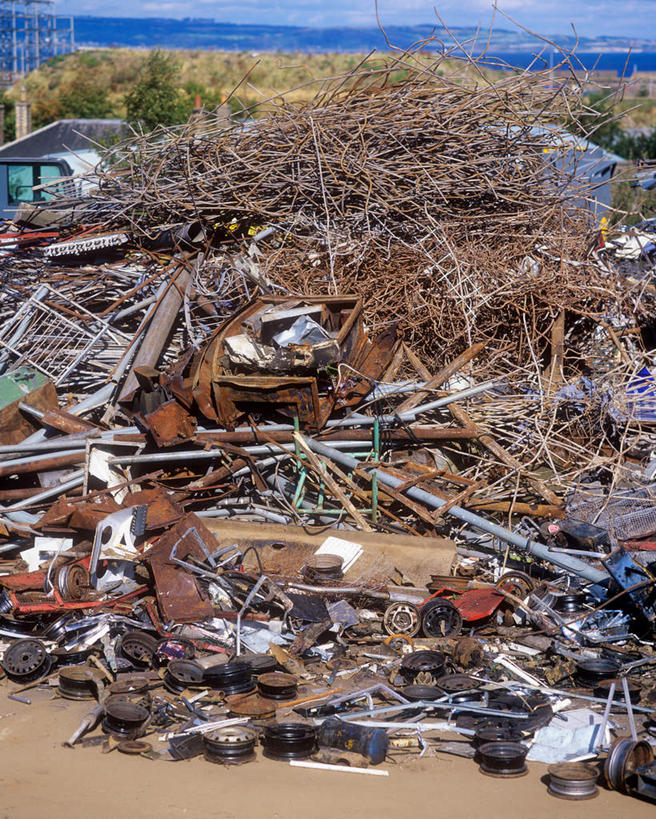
[[302, 472]]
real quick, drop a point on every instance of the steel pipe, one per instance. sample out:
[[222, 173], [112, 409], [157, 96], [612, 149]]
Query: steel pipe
[[566, 562]]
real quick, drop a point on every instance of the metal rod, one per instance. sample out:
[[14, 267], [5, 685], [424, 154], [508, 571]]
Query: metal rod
[[537, 549], [410, 415], [201, 454], [629, 709], [75, 480]]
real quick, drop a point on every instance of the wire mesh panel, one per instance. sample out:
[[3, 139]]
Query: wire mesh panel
[[62, 340]]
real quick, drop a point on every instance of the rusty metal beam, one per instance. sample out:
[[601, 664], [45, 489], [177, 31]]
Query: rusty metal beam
[[160, 326]]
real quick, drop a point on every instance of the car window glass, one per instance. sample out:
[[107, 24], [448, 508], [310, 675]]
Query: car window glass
[[20, 179], [47, 173]]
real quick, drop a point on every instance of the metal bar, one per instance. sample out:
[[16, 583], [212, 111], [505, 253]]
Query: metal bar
[[433, 705], [604, 721], [160, 326], [629, 708], [415, 726], [38, 463], [53, 491], [247, 603], [537, 549], [200, 454], [410, 415], [374, 478]]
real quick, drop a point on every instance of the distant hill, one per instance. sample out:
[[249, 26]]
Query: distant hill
[[201, 33]]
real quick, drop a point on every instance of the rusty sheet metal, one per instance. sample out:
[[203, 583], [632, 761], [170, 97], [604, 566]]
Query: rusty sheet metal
[[285, 550], [369, 361], [476, 604], [441, 583], [27, 386], [25, 581], [85, 515], [161, 509], [294, 395], [179, 596], [65, 422], [39, 603], [223, 395], [170, 424], [473, 604]]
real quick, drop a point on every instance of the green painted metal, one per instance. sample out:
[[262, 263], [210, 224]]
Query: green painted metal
[[301, 470], [374, 479], [14, 386]]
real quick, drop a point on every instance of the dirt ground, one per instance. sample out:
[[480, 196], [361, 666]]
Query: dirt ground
[[39, 777]]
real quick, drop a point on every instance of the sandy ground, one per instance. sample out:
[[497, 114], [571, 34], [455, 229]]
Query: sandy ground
[[39, 777]]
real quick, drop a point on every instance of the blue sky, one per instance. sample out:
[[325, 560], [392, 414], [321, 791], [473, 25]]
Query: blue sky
[[591, 17]]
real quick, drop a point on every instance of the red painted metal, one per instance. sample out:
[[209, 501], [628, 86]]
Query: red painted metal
[[474, 604]]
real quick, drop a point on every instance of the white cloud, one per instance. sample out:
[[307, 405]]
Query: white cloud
[[591, 17]]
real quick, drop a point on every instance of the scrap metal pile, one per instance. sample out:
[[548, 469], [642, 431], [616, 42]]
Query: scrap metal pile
[[443, 180], [330, 433]]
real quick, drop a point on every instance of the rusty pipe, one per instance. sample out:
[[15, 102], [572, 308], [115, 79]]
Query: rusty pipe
[[41, 463], [160, 326]]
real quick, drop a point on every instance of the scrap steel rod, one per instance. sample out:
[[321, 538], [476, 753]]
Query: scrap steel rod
[[537, 549]]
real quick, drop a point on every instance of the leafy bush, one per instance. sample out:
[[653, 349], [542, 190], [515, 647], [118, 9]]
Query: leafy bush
[[633, 204], [155, 98], [89, 60], [85, 98]]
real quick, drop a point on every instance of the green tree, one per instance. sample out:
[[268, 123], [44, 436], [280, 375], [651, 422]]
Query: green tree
[[640, 146], [155, 98], [84, 98], [10, 119]]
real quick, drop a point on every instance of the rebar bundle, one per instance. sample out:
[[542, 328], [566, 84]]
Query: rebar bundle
[[449, 205]]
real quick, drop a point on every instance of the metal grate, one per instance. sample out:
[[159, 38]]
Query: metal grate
[[627, 515], [82, 348]]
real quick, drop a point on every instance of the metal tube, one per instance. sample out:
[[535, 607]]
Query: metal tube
[[378, 688], [201, 454], [604, 722], [437, 705], [411, 414], [629, 708], [560, 692], [246, 510], [71, 483], [10, 547], [384, 390], [247, 603], [22, 518], [36, 463], [566, 562], [159, 327], [414, 726], [413, 434], [346, 590], [22, 326], [77, 440], [128, 311], [97, 399]]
